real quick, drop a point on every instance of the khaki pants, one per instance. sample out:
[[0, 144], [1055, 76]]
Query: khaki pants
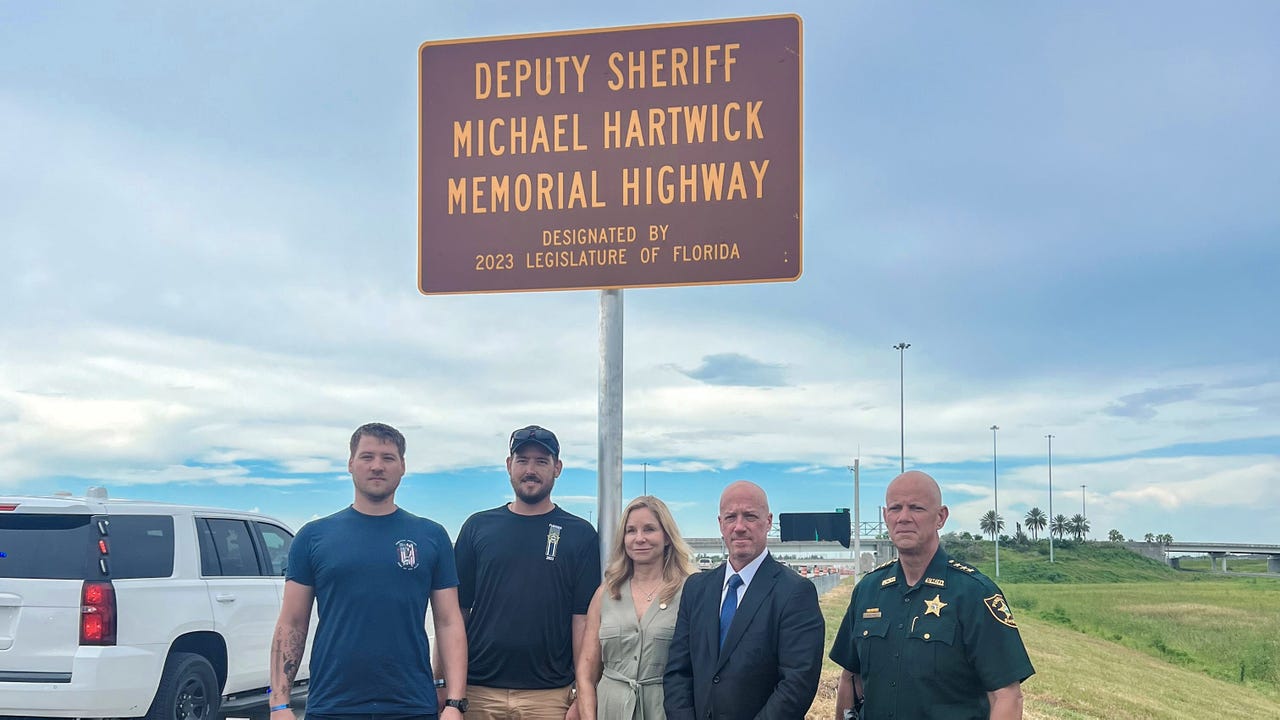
[[486, 703]]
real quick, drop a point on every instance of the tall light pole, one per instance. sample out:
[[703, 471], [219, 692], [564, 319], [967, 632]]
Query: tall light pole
[[995, 482], [646, 478], [1050, 437], [902, 405], [1083, 514], [857, 523]]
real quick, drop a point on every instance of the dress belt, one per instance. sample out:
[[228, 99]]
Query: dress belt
[[635, 688]]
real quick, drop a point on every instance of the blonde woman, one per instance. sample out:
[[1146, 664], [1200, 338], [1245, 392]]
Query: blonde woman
[[632, 617]]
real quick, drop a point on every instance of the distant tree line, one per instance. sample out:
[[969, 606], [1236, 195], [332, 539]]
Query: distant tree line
[[1060, 526], [1036, 519]]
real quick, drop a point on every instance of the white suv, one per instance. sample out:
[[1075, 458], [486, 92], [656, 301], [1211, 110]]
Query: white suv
[[112, 608]]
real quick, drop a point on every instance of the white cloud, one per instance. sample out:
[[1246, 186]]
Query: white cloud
[[210, 300]]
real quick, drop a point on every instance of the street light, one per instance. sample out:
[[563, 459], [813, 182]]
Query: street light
[[1050, 497], [1083, 514], [857, 522], [646, 478], [995, 482], [902, 406]]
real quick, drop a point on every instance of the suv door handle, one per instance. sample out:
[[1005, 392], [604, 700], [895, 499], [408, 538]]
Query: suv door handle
[[224, 597]]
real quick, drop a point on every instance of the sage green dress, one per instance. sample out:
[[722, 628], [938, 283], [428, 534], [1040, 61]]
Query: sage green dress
[[634, 654]]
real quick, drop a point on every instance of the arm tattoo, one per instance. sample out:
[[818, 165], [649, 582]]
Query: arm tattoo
[[289, 645]]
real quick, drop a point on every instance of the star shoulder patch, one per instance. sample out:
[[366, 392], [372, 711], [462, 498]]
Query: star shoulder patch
[[885, 564], [1000, 610], [961, 566]]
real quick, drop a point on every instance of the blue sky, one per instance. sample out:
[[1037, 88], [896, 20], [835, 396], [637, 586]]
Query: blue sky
[[208, 230]]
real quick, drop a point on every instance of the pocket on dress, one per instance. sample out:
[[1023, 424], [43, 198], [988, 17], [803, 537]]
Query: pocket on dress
[[659, 639]]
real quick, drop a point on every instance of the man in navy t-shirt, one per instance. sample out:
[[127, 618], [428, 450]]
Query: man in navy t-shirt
[[370, 570]]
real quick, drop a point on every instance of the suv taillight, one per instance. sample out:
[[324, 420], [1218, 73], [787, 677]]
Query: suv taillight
[[97, 613]]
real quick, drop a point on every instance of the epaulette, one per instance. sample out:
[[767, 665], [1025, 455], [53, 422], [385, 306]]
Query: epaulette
[[884, 565], [961, 566]]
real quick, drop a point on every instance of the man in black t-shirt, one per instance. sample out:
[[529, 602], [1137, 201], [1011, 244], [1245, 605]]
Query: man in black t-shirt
[[527, 571]]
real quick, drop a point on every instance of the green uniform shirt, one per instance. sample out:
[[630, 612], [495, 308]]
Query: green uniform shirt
[[930, 651]]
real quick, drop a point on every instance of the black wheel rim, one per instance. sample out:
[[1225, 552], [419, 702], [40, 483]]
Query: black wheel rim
[[192, 702]]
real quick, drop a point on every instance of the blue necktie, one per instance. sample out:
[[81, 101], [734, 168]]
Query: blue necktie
[[729, 607]]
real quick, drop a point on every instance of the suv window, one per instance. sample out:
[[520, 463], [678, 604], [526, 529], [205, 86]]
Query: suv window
[[45, 546], [141, 546], [277, 542], [229, 550], [64, 547]]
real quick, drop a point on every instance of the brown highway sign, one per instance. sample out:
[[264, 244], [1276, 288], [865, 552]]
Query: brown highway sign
[[625, 157]]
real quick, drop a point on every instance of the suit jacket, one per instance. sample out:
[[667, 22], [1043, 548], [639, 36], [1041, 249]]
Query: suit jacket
[[771, 659]]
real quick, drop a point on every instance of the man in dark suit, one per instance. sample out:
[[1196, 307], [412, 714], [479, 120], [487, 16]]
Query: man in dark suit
[[749, 635]]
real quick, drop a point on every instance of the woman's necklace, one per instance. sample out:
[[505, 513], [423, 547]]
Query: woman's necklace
[[648, 594]]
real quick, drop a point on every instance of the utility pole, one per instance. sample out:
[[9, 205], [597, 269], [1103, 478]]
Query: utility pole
[[902, 405], [995, 481], [1083, 513], [857, 525], [1050, 437], [646, 478]]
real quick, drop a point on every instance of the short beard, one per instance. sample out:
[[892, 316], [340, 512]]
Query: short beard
[[376, 497], [535, 497]]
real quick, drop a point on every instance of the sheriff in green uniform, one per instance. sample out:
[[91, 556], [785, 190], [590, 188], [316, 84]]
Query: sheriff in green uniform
[[926, 637]]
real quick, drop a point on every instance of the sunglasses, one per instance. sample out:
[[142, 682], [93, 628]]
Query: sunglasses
[[533, 433]]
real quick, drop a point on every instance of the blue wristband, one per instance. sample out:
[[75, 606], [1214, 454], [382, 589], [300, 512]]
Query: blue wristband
[[279, 707]]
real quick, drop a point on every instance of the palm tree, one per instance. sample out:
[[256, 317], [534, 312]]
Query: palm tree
[[1078, 526], [1164, 539], [1149, 538], [1115, 536], [1059, 526], [991, 523], [1036, 521]]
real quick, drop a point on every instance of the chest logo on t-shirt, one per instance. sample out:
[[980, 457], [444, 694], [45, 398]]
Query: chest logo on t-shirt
[[553, 540], [408, 552]]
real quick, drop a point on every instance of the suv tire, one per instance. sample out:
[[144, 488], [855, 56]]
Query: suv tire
[[188, 690]]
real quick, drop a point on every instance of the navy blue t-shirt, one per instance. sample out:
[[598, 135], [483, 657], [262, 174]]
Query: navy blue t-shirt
[[372, 576]]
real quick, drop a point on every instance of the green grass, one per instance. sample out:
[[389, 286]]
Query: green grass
[[1227, 628], [1073, 562], [1116, 635]]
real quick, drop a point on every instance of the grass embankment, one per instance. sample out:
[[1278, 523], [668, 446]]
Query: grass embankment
[[1120, 637]]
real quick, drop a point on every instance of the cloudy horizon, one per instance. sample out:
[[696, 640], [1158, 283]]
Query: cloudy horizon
[[209, 234]]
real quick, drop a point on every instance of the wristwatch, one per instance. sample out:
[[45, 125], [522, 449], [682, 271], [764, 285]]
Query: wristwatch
[[460, 704]]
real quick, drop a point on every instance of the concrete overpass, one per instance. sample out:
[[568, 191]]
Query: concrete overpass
[[1218, 552], [832, 553]]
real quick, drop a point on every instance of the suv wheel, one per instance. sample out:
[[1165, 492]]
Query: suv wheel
[[188, 690]]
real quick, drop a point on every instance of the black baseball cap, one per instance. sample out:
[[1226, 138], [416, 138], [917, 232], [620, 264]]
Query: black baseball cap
[[535, 434]]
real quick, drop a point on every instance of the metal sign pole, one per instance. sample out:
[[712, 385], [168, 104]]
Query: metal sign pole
[[609, 421]]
